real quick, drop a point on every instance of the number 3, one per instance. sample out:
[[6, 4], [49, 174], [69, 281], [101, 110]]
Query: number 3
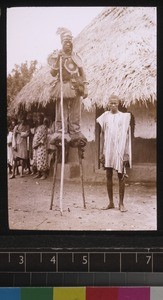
[[21, 261]]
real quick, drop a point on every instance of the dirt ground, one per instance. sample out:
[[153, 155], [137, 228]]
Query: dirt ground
[[29, 206]]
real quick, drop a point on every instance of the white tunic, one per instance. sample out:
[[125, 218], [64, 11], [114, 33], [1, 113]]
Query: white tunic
[[117, 139]]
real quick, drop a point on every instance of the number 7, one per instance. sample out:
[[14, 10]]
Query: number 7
[[148, 258]]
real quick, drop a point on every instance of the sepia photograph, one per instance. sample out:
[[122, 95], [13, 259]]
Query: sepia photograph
[[81, 118]]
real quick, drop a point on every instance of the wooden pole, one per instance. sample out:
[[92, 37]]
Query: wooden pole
[[80, 154], [63, 140], [54, 177]]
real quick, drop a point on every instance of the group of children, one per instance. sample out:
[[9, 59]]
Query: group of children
[[28, 145]]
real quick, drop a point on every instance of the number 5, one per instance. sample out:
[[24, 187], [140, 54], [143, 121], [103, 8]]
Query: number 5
[[85, 260]]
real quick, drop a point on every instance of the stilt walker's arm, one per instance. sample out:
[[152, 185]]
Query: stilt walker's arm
[[54, 177], [63, 142]]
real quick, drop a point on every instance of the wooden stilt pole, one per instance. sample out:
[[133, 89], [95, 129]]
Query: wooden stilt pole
[[54, 177], [63, 141], [80, 154]]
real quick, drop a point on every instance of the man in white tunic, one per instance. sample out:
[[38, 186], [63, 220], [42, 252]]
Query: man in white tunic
[[115, 147]]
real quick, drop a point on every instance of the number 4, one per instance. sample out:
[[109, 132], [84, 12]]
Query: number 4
[[53, 260]]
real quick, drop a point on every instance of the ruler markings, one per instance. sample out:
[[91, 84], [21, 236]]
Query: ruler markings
[[120, 262], [104, 257], [66, 252], [25, 263], [149, 255], [57, 262], [88, 262], [41, 257], [85, 250]]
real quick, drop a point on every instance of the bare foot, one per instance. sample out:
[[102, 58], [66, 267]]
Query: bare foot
[[12, 176], [111, 205], [37, 176], [43, 177], [122, 208]]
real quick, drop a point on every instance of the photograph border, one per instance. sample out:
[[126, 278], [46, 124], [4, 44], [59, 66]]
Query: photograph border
[[84, 239]]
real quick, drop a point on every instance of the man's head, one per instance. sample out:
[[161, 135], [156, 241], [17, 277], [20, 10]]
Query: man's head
[[40, 118], [67, 46], [113, 103], [66, 39], [23, 117]]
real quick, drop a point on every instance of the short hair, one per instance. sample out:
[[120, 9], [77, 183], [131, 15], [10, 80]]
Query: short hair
[[41, 117], [114, 97], [46, 121]]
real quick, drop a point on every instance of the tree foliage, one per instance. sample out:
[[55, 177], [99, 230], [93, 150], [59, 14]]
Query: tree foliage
[[18, 78]]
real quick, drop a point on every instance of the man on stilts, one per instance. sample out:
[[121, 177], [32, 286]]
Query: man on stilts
[[68, 87], [74, 87], [115, 148]]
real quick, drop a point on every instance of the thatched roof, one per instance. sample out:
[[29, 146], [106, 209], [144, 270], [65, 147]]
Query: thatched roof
[[118, 49], [119, 53], [38, 90]]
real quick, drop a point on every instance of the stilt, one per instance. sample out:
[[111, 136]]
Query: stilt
[[63, 141], [54, 177], [81, 156]]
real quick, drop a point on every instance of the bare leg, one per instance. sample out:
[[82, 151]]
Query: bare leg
[[22, 168], [10, 168], [109, 176], [17, 170], [38, 175], [44, 175], [28, 166], [17, 164], [34, 170], [13, 169], [121, 192]]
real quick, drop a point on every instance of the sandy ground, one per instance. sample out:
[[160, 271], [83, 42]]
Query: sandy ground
[[29, 203]]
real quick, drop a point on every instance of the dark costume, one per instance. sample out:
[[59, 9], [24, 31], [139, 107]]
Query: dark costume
[[74, 86]]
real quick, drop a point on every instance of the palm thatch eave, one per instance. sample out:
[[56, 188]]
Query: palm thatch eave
[[118, 49], [37, 91]]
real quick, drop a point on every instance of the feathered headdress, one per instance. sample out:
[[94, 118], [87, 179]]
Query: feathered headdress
[[65, 34]]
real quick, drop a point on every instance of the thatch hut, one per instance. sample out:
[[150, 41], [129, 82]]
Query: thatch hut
[[118, 49]]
